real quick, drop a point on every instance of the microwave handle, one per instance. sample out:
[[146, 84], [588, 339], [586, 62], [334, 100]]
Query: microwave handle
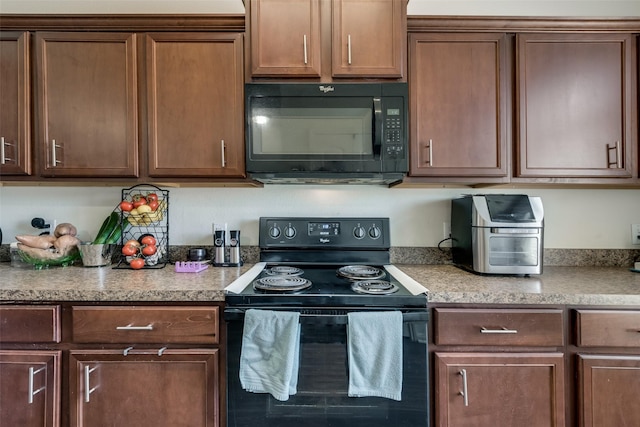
[[377, 126]]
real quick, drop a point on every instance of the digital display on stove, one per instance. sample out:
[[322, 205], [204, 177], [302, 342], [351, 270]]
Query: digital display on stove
[[324, 228]]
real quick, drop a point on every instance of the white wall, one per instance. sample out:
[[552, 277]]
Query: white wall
[[588, 219], [610, 8]]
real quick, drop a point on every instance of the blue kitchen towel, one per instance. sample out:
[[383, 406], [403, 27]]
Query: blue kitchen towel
[[270, 350], [375, 354]]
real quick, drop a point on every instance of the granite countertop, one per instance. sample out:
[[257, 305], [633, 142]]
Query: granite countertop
[[557, 285], [109, 284], [445, 283]]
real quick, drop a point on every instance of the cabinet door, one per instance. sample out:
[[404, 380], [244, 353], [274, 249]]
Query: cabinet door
[[577, 101], [29, 388], [368, 38], [144, 388], [195, 104], [609, 387], [15, 107], [87, 96], [285, 38], [499, 389], [459, 105]]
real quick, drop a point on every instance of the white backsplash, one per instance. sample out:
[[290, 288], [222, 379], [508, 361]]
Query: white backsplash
[[574, 219]]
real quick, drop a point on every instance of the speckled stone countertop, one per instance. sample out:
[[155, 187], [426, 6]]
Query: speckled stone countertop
[[557, 285], [108, 284], [615, 286]]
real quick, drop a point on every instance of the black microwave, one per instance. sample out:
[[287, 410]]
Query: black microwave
[[327, 132]]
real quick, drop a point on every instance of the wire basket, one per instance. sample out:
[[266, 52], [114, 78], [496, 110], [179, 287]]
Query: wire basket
[[151, 220]]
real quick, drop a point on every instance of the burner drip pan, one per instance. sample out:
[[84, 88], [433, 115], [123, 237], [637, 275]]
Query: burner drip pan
[[284, 270], [281, 284], [361, 272], [374, 287]]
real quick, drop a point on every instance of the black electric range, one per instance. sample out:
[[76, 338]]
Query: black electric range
[[325, 262]]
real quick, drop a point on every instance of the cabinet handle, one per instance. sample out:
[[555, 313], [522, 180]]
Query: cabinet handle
[[3, 155], [618, 159], [130, 350], [130, 327], [304, 39], [87, 383], [464, 393], [223, 149], [32, 373], [503, 330], [54, 160], [431, 152], [349, 49]]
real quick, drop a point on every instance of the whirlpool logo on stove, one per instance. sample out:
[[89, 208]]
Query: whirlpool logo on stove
[[325, 240]]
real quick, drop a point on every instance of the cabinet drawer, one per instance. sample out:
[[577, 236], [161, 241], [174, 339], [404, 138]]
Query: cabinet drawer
[[517, 327], [185, 325], [608, 328], [30, 324]]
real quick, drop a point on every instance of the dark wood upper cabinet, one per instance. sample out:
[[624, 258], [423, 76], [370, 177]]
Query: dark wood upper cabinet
[[285, 38], [459, 105], [368, 38], [577, 106], [195, 104], [15, 103], [87, 98], [324, 39]]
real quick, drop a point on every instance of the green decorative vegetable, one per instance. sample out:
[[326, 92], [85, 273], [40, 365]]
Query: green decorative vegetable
[[109, 226]]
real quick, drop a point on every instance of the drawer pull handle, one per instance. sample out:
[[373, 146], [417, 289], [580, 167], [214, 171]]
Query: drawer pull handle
[[87, 383], [126, 351], [464, 393], [161, 351], [32, 392], [130, 327], [504, 330]]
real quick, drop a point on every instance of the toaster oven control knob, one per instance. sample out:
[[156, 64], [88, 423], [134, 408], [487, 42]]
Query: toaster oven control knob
[[359, 232], [375, 232], [289, 232], [274, 232]]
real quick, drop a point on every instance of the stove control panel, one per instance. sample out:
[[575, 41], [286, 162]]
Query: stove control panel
[[355, 233]]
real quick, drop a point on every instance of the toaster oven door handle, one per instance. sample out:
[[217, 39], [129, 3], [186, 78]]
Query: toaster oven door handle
[[501, 230]]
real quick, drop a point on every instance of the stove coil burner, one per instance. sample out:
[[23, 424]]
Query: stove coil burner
[[374, 287], [281, 284], [361, 272], [284, 270]]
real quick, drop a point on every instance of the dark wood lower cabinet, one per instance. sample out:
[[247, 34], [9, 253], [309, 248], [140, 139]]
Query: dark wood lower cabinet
[[30, 388], [144, 388], [609, 390], [499, 389]]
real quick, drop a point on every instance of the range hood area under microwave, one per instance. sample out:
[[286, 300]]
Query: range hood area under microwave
[[331, 133]]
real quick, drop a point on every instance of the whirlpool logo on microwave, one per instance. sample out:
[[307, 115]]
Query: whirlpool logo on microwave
[[325, 240], [326, 89]]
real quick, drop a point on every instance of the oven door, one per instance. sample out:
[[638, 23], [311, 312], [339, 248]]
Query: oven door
[[321, 400]]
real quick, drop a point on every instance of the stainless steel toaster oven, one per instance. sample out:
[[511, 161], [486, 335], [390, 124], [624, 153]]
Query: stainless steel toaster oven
[[498, 233]]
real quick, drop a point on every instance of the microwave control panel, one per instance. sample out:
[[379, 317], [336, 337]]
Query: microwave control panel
[[393, 137]]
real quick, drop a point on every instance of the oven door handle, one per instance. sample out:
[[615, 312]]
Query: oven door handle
[[235, 314]]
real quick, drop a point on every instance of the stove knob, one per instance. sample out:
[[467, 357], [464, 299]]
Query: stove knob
[[289, 232], [375, 232], [359, 232], [274, 232]]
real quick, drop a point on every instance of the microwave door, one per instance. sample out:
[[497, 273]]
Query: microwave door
[[335, 129]]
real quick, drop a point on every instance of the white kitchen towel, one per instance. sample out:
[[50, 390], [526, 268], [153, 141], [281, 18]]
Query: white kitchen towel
[[375, 354], [270, 350]]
